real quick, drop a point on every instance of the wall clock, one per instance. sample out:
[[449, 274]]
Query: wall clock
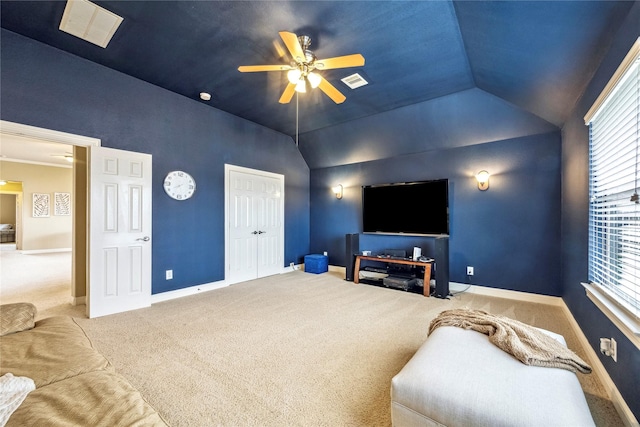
[[179, 185]]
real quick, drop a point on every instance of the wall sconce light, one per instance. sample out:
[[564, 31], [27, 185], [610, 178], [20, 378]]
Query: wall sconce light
[[338, 191], [483, 180]]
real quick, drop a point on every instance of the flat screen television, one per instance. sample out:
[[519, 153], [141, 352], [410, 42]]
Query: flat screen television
[[418, 208]]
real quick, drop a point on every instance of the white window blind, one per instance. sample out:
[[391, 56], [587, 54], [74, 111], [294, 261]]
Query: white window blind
[[614, 213]]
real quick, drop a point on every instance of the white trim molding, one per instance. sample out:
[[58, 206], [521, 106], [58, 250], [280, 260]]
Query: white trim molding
[[45, 251], [621, 406], [624, 66], [48, 135], [505, 293], [629, 326], [184, 292], [78, 301]]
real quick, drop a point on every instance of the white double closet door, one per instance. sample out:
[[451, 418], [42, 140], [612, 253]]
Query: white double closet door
[[254, 233]]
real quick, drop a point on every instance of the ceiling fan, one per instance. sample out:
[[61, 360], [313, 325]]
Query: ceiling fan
[[301, 71]]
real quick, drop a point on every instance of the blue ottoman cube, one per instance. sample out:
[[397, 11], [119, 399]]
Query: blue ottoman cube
[[316, 264]]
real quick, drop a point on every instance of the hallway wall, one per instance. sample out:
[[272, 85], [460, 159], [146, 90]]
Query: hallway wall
[[41, 233]]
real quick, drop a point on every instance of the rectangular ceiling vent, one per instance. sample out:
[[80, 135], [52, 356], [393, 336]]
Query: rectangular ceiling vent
[[354, 81], [89, 22]]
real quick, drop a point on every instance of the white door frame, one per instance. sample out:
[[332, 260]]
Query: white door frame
[[33, 132], [11, 128], [227, 244], [18, 227]]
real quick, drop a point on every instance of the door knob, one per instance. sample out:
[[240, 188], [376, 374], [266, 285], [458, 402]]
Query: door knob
[[261, 232], [254, 232], [144, 239]]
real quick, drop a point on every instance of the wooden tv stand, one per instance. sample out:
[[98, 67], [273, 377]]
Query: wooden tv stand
[[426, 265]]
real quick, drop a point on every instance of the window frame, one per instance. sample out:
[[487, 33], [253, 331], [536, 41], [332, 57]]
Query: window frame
[[606, 300]]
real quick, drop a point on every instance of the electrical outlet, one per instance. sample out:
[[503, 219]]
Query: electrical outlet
[[292, 265], [469, 270], [609, 347], [326, 253], [168, 274], [613, 348]]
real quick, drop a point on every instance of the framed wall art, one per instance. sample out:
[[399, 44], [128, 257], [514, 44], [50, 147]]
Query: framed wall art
[[41, 205], [62, 204]]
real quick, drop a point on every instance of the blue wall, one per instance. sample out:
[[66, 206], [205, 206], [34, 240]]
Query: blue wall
[[510, 233], [516, 223], [464, 118], [45, 87], [575, 222]]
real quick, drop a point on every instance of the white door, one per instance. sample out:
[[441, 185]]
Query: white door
[[119, 231], [255, 224]]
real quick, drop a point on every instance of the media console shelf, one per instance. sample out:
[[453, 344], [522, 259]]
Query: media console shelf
[[426, 265]]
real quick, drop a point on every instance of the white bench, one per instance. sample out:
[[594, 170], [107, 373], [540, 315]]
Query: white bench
[[459, 378]]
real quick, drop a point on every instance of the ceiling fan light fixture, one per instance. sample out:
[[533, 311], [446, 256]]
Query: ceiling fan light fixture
[[314, 79], [301, 86], [301, 69], [294, 76]]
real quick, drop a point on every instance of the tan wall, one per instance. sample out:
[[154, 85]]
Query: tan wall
[[53, 232], [8, 209]]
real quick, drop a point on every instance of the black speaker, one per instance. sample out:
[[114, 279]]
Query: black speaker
[[352, 249], [442, 267]]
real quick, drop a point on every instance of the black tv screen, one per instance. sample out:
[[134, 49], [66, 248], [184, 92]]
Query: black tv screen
[[407, 208]]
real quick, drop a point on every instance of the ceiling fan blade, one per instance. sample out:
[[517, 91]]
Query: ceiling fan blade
[[331, 91], [287, 94], [355, 60], [254, 68], [292, 43]]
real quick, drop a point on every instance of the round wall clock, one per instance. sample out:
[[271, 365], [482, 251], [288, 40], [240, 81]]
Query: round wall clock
[[179, 185]]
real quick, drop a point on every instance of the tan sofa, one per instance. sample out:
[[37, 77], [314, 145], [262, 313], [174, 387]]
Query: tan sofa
[[75, 384], [7, 233]]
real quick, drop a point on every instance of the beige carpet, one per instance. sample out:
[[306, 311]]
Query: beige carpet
[[296, 349], [44, 279]]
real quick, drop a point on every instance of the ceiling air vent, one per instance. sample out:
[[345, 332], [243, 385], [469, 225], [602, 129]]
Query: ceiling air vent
[[354, 81], [89, 22]]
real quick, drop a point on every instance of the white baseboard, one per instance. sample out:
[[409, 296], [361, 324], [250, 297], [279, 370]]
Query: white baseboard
[[300, 267], [79, 300], [505, 293], [45, 251], [296, 267], [192, 290], [598, 368]]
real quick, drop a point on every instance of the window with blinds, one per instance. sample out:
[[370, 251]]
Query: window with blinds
[[614, 209]]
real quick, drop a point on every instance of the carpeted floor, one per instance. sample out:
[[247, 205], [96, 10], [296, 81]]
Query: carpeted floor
[[44, 279], [296, 349]]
